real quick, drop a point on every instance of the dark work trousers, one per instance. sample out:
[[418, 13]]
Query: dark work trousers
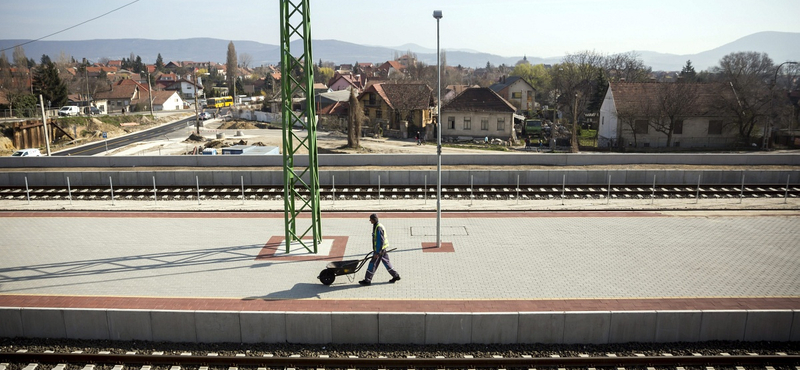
[[373, 265]]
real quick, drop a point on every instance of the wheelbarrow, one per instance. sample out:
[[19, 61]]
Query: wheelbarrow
[[338, 268]]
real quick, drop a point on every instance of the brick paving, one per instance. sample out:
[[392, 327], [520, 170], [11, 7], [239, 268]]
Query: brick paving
[[500, 262]]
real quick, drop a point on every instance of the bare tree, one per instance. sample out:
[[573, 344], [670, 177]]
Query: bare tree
[[574, 80], [745, 89], [20, 60], [245, 60], [355, 120], [627, 67], [673, 103]]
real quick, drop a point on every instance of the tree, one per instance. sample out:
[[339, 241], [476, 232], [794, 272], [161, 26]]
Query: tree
[[245, 60], [324, 75], [626, 66], [535, 75], [231, 66], [20, 60], [159, 63], [674, 102], [24, 103], [47, 82], [4, 64], [687, 72], [747, 75], [355, 119], [574, 81]]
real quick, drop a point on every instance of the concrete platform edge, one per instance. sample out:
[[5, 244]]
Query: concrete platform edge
[[418, 327]]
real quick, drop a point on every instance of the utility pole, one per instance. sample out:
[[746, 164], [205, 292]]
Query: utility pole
[[196, 118], [150, 93], [575, 147], [44, 122]]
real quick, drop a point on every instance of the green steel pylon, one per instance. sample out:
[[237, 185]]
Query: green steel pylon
[[300, 183]]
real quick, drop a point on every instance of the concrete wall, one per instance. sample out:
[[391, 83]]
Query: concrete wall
[[505, 177], [409, 327], [350, 160]]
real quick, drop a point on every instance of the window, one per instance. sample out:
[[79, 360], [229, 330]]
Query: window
[[451, 123], [641, 126], [678, 128], [484, 123], [501, 124], [378, 113], [366, 112], [715, 127], [371, 98], [516, 95], [467, 123]]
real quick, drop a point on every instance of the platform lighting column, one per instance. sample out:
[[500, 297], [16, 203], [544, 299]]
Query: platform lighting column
[[438, 15]]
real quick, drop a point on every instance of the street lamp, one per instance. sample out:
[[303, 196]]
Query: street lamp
[[768, 127], [438, 15]]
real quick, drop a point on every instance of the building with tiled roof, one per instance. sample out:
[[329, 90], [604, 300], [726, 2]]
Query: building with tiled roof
[[517, 91], [478, 112], [631, 116], [394, 105]]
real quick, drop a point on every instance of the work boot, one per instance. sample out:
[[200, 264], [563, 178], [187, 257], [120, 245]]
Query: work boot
[[396, 278], [365, 282]]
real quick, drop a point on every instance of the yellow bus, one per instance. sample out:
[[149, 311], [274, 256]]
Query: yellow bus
[[221, 102]]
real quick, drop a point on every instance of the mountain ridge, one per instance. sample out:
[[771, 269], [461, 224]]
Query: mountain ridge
[[781, 46]]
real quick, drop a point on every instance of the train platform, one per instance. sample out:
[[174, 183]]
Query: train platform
[[490, 262]]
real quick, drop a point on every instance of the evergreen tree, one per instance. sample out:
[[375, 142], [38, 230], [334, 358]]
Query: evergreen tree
[[688, 72], [47, 82], [138, 66], [230, 68], [159, 63]]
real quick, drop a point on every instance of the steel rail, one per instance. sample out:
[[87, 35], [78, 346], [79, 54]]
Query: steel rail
[[560, 362]]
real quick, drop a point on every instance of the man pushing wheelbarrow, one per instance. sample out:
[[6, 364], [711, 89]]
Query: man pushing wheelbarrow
[[379, 244]]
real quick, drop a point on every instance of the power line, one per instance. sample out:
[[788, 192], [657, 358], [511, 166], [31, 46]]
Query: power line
[[71, 27]]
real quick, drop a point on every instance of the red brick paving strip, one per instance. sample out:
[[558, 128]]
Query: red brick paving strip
[[387, 305]]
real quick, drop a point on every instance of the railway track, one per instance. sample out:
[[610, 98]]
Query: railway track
[[466, 192], [130, 360]]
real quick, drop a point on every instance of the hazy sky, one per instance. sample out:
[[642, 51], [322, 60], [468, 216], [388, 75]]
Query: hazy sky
[[541, 28]]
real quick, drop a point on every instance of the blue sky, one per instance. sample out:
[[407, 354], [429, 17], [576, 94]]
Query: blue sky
[[540, 28]]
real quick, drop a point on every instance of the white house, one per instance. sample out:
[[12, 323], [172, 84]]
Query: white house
[[478, 112], [629, 113], [167, 100], [187, 88]]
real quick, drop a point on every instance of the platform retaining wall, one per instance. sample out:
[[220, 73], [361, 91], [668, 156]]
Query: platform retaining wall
[[400, 178], [570, 327], [393, 160]]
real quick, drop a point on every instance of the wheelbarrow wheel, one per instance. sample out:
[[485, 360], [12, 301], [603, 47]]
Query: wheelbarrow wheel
[[327, 277]]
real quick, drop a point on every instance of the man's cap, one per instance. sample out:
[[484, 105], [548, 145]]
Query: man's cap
[[373, 216]]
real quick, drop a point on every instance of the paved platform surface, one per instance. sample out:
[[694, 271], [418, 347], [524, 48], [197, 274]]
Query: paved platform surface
[[515, 261]]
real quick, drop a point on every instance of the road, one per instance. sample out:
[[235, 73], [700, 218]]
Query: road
[[123, 141]]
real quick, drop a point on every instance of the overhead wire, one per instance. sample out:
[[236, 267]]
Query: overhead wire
[[71, 27]]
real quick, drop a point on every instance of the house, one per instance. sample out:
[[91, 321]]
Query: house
[[517, 91], [125, 96], [187, 88], [345, 82], [478, 112], [166, 100], [400, 108], [628, 119], [407, 60], [391, 68]]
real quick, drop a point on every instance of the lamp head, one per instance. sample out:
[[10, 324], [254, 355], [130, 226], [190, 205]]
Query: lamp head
[[437, 14]]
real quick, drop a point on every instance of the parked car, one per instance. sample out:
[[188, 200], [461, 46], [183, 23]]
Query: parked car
[[27, 153], [204, 116], [91, 110], [69, 110]]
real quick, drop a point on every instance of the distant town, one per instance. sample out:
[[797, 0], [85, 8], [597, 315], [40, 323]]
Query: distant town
[[746, 100]]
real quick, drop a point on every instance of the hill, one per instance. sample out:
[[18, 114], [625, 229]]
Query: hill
[[781, 46]]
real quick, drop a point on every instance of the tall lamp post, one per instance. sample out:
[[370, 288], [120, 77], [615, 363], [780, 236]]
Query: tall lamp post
[[438, 15], [768, 128]]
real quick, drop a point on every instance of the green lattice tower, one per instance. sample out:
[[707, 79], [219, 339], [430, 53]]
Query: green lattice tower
[[300, 180]]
